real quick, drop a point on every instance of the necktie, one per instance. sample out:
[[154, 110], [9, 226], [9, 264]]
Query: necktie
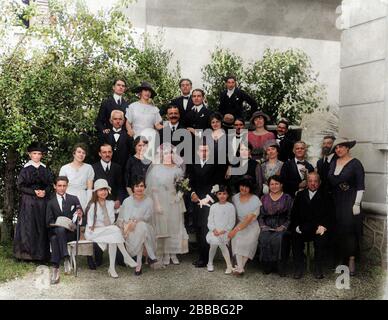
[[119, 101], [327, 160], [173, 128], [63, 203], [107, 169]]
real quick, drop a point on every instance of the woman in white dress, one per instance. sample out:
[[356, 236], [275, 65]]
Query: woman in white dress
[[100, 228], [171, 235], [143, 117], [135, 220], [245, 234], [80, 175], [221, 220]]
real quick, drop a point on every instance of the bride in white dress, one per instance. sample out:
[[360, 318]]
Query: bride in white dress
[[169, 207]]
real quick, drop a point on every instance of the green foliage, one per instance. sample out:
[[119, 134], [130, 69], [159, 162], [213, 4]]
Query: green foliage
[[53, 80], [283, 83], [223, 63]]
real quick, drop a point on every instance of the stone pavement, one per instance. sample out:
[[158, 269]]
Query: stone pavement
[[184, 281]]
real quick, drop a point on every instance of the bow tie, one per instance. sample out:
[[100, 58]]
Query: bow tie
[[116, 132], [185, 98], [301, 162]]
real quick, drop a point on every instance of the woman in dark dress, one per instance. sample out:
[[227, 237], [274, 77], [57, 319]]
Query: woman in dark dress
[[137, 165], [274, 219], [346, 177], [34, 183]]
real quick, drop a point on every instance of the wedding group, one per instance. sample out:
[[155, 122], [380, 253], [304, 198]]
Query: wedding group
[[166, 172]]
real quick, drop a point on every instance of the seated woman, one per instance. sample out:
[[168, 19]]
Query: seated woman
[[272, 166], [246, 234], [100, 227], [135, 222], [274, 220]]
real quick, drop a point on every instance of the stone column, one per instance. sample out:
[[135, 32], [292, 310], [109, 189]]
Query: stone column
[[364, 107]]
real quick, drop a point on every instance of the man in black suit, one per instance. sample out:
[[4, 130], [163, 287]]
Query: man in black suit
[[184, 102], [310, 221], [232, 99], [61, 205], [121, 142], [202, 178], [323, 164], [111, 172], [294, 171], [114, 102], [170, 126], [286, 143]]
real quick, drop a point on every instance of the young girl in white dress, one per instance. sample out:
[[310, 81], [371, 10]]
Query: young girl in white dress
[[134, 220], [80, 175], [222, 218], [100, 227]]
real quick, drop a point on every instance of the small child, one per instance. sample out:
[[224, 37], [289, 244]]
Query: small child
[[222, 219]]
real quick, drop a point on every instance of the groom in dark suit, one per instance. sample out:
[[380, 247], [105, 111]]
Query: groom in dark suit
[[310, 221], [294, 171], [114, 102], [183, 102], [202, 176], [61, 205]]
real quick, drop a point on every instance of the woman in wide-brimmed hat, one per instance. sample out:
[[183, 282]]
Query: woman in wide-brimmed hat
[[346, 177], [143, 114], [260, 135], [100, 226], [34, 183]]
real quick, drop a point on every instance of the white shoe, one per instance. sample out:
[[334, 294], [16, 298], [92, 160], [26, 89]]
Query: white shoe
[[210, 268], [67, 266], [229, 270], [113, 273], [166, 259], [174, 259]]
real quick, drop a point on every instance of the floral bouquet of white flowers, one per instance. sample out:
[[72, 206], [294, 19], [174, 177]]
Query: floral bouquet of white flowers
[[182, 185]]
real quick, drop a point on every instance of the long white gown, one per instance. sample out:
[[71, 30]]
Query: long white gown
[[144, 233], [169, 226], [102, 234], [78, 179]]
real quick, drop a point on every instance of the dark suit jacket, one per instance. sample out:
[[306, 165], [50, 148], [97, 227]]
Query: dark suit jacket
[[53, 210], [114, 178], [122, 149], [106, 108], [323, 171], [234, 104], [202, 181], [183, 113], [290, 176], [286, 146], [166, 134], [198, 120], [309, 214]]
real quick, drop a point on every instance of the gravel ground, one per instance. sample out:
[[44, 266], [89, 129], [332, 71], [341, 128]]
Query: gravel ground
[[186, 282]]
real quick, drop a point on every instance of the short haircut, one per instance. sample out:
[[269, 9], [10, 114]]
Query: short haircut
[[239, 119], [246, 181], [171, 106], [61, 178], [140, 139], [117, 112], [284, 121], [329, 137], [215, 115], [300, 142], [276, 178], [119, 79], [314, 173], [185, 79], [230, 76], [223, 188], [104, 145], [80, 145], [136, 181], [199, 90]]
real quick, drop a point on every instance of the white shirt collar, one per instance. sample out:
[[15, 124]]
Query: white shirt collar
[[104, 164], [329, 157], [117, 97], [230, 92], [59, 197], [116, 130], [175, 125], [32, 163], [198, 108], [312, 193]]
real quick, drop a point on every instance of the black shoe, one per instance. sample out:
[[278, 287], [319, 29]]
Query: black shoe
[[151, 261], [138, 273], [298, 273], [195, 262], [200, 264], [282, 269], [91, 263], [267, 268], [318, 274]]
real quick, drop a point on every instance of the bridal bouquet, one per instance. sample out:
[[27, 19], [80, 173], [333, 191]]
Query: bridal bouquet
[[182, 185]]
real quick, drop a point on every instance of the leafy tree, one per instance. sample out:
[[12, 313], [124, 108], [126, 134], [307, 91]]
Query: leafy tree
[[53, 80]]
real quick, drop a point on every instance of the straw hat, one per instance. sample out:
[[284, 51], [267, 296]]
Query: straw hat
[[64, 222], [344, 142], [101, 184]]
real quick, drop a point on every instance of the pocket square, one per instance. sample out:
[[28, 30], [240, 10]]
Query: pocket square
[[202, 115], [72, 208]]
